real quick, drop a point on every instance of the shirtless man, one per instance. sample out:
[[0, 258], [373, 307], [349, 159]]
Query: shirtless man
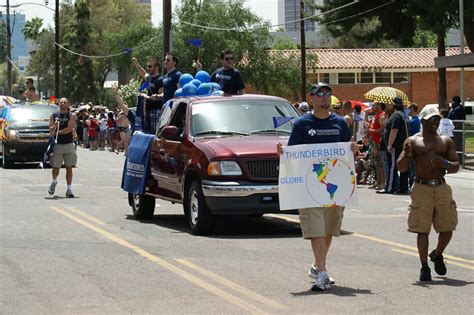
[[431, 198]]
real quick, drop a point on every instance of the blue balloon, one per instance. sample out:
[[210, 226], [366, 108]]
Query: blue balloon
[[215, 86], [189, 89], [178, 92], [203, 76], [204, 89], [185, 78], [196, 82]]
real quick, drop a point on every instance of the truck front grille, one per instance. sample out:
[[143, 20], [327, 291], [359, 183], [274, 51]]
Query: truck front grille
[[263, 168]]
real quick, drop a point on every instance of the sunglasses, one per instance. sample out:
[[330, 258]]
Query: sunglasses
[[150, 66], [228, 58], [321, 94]]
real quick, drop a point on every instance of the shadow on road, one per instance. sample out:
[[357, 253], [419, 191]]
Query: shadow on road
[[240, 227], [437, 281], [59, 197], [335, 290]]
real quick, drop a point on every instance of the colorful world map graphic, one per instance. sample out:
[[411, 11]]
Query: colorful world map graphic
[[330, 182]]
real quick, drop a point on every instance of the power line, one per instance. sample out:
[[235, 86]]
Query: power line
[[218, 28], [236, 29], [361, 13], [105, 56]]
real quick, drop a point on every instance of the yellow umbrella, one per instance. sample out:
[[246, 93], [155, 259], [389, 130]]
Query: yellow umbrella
[[334, 100], [386, 94]]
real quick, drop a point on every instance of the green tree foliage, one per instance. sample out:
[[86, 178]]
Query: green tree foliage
[[268, 73], [398, 22], [283, 44], [31, 29], [17, 79], [86, 27], [228, 15]]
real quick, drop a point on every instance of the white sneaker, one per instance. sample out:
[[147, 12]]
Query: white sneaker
[[69, 194], [322, 282], [52, 188], [314, 271]]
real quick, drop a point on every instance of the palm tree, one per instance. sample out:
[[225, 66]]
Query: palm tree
[[31, 30]]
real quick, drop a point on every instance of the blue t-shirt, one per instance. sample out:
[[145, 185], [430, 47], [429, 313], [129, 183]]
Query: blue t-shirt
[[309, 129], [155, 84], [231, 80], [170, 84], [414, 125]]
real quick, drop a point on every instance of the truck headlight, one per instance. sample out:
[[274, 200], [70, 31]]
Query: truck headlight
[[12, 134], [224, 168]]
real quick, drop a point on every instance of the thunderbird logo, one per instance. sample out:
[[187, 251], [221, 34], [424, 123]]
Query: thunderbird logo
[[311, 132]]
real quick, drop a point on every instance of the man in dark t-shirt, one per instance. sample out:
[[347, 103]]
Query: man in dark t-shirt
[[320, 224], [228, 77], [396, 131], [171, 78]]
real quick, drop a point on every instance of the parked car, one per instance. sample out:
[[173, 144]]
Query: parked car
[[25, 133], [217, 156]]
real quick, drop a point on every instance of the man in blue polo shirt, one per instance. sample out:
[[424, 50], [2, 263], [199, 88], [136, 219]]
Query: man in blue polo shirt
[[320, 224]]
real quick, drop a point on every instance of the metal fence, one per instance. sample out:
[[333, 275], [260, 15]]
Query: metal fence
[[464, 140]]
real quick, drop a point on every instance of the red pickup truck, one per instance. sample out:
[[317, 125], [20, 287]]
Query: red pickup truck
[[217, 156]]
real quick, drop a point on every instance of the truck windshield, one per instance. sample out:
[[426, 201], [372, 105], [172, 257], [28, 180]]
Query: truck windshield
[[28, 113], [240, 117]]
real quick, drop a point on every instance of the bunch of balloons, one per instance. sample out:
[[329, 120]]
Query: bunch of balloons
[[200, 85]]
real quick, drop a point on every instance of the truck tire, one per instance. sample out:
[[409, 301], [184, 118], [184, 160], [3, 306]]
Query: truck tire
[[6, 163], [143, 206], [200, 219]]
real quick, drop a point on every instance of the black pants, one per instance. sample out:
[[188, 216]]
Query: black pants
[[393, 173]]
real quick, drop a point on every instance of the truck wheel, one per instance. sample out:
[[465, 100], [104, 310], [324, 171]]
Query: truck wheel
[[6, 163], [199, 217], [143, 206]]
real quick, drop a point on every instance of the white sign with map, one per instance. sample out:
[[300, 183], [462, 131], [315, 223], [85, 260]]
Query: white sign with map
[[317, 175]]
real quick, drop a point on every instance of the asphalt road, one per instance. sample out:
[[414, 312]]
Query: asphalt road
[[88, 255]]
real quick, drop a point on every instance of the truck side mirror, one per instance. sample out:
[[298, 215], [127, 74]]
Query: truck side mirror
[[171, 133]]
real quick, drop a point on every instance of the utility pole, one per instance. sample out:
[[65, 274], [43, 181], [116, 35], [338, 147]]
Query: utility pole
[[461, 46], [9, 52], [303, 52], [56, 51], [166, 26]]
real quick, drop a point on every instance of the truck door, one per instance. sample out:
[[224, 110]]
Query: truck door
[[167, 162]]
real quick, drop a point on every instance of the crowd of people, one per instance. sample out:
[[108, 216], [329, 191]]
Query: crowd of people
[[380, 131], [98, 128]]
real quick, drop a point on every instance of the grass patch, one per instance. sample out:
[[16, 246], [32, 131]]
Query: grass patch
[[469, 143]]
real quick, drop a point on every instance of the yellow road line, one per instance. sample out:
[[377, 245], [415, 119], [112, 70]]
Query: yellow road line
[[164, 264], [446, 260], [85, 215], [232, 285], [378, 240]]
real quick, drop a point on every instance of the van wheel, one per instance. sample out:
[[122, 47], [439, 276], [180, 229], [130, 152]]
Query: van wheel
[[143, 206], [200, 219]]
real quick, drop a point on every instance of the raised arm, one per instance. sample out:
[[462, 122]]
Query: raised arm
[[141, 71], [119, 100]]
